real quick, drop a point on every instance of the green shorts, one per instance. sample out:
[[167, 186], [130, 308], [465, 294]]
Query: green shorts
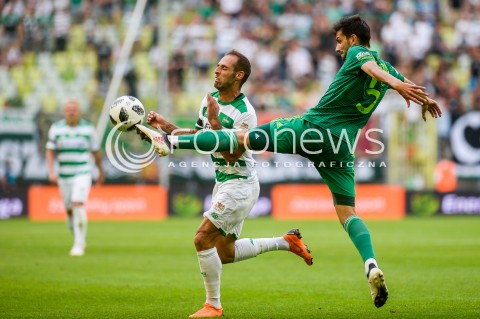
[[332, 159]]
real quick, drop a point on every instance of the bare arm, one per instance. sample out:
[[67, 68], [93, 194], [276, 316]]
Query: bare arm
[[160, 123], [408, 90], [98, 161], [212, 114], [50, 156]]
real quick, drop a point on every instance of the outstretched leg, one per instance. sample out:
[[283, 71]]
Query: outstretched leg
[[231, 250], [207, 141]]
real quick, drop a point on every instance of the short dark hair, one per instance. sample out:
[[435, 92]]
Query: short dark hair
[[243, 64], [354, 25]]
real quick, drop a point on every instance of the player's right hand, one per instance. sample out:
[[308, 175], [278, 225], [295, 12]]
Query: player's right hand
[[432, 107]]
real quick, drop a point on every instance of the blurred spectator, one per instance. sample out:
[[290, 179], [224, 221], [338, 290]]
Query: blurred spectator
[[61, 28], [474, 67], [12, 14], [299, 63], [44, 17], [104, 51], [289, 42], [476, 100], [131, 79], [266, 62], [11, 17], [13, 55], [6, 177], [89, 25], [176, 70], [420, 39], [29, 29], [231, 7], [103, 76], [247, 44]]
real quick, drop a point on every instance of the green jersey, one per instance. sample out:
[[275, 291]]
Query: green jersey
[[353, 95]]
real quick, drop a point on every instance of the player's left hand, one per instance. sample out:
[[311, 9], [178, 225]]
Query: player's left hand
[[432, 107], [212, 110]]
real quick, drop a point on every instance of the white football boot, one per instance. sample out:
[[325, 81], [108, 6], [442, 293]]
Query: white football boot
[[378, 288], [77, 251], [159, 140]]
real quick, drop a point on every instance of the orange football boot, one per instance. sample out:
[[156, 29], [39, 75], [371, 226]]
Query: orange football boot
[[207, 311], [297, 246]]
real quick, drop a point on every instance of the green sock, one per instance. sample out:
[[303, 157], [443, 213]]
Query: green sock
[[360, 236], [209, 141]]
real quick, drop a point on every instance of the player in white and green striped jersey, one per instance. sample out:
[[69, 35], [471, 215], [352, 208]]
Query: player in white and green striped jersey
[[236, 189], [237, 114], [72, 141]]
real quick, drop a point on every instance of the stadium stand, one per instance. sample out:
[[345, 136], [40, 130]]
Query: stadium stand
[[54, 49]]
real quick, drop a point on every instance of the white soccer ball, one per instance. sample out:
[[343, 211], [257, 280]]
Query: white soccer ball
[[128, 111]]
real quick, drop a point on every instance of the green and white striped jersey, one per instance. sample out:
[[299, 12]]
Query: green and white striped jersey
[[73, 145], [237, 114]]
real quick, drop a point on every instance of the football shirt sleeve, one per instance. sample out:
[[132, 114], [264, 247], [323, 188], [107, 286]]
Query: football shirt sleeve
[[394, 72], [245, 121], [357, 56], [94, 142], [52, 141]]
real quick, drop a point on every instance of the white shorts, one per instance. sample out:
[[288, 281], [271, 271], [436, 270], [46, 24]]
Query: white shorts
[[232, 201], [75, 189]]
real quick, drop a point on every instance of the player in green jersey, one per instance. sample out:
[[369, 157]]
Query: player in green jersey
[[325, 133]]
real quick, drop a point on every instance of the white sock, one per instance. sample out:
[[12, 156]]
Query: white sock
[[251, 247], [79, 225], [211, 270], [367, 264], [173, 140]]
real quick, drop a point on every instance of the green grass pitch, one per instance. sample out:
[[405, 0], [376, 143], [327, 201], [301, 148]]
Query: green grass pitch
[[150, 270]]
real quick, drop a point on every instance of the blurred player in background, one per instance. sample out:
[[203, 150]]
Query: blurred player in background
[[318, 135], [72, 140], [236, 190]]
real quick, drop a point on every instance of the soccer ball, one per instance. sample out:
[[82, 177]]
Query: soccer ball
[[127, 110]]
